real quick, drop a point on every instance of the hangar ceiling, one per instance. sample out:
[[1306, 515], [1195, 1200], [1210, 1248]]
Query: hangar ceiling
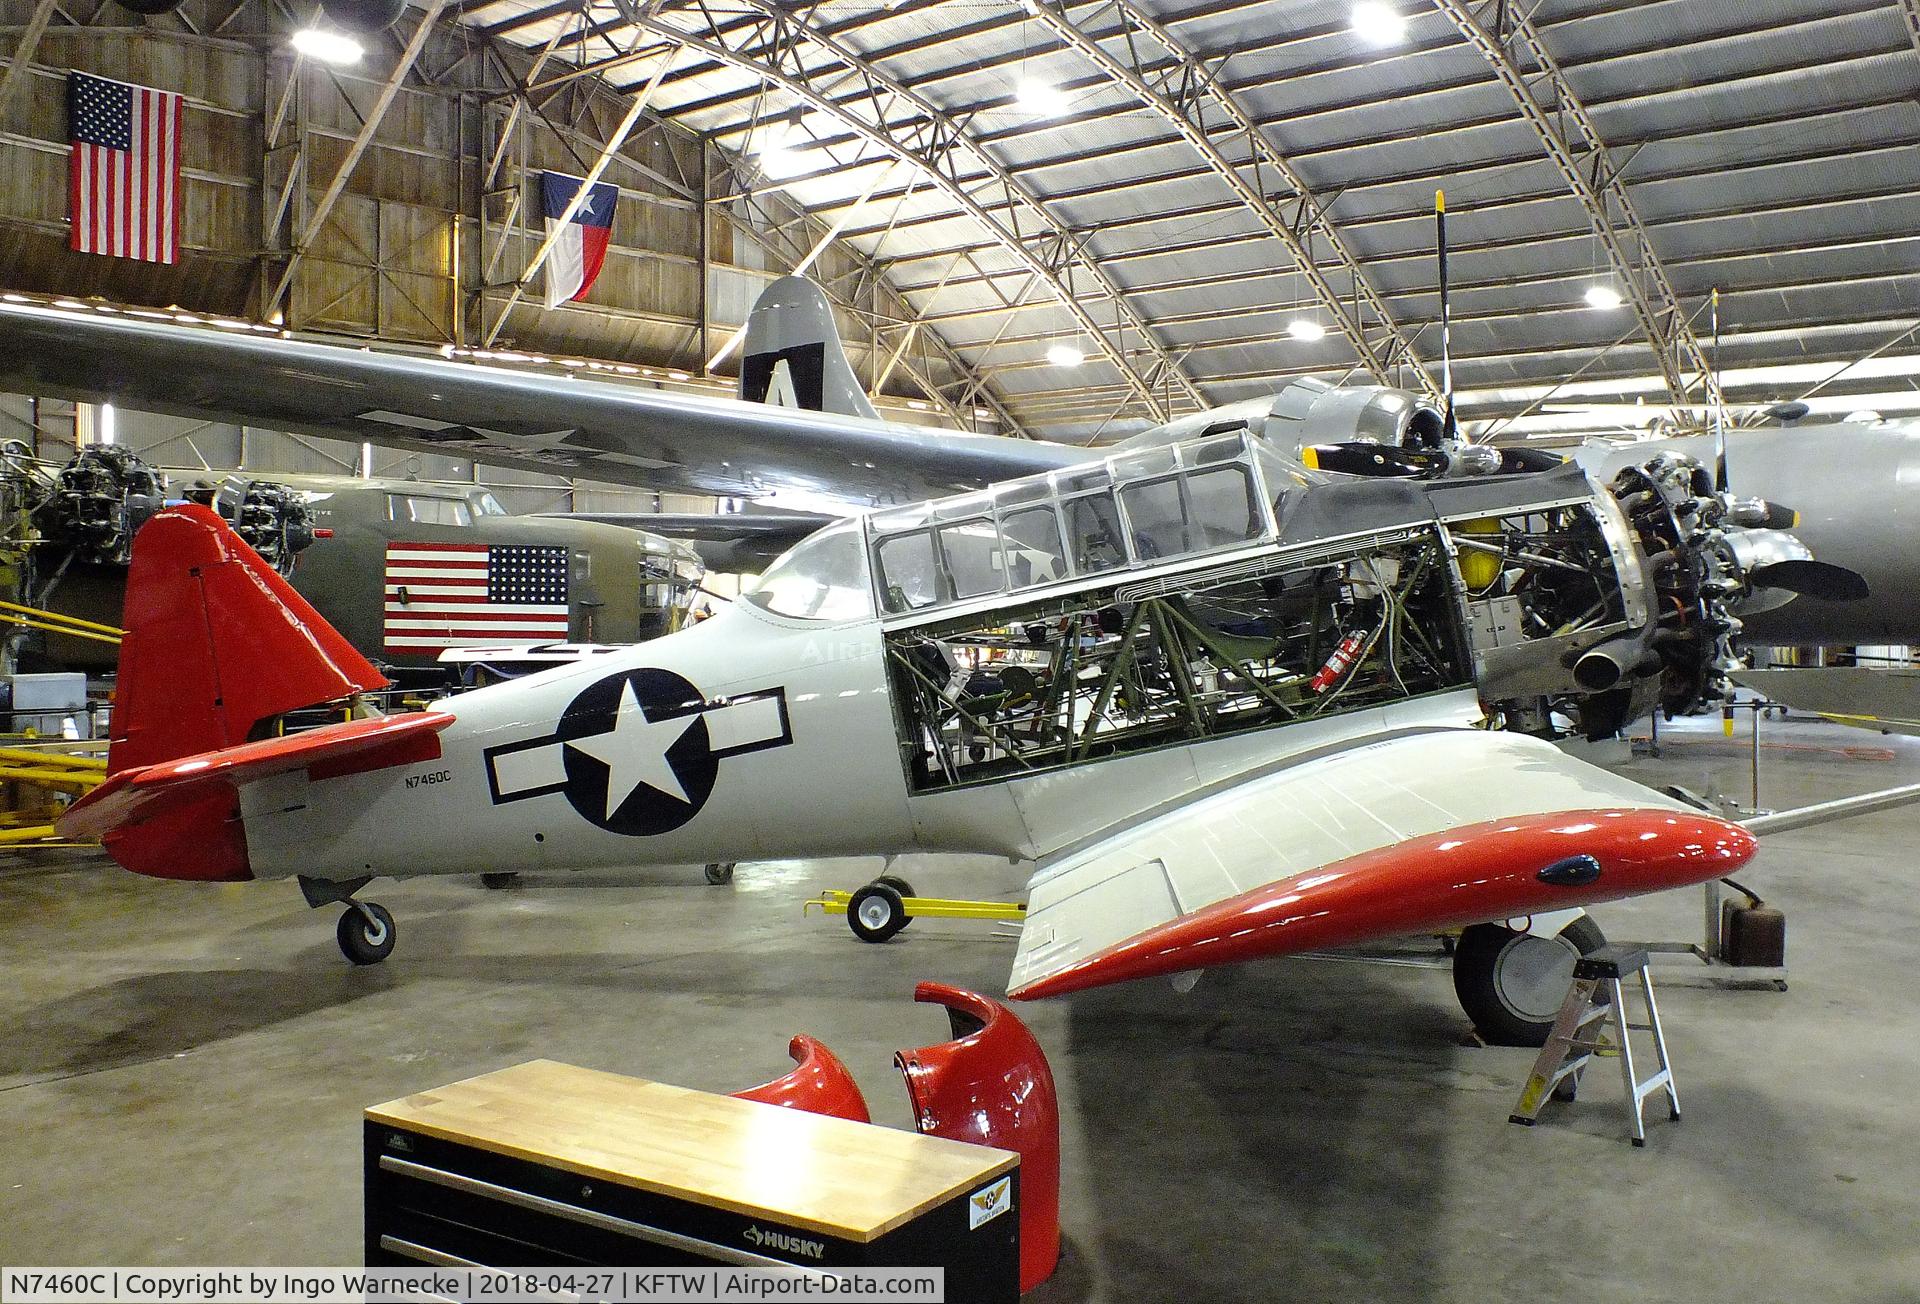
[[1212, 173], [1200, 198]]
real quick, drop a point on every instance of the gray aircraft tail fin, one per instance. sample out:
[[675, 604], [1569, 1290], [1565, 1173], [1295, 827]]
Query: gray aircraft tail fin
[[793, 355]]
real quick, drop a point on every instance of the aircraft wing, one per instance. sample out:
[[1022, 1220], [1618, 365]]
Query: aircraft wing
[[1886, 698], [731, 541], [1407, 835], [598, 429], [149, 791]]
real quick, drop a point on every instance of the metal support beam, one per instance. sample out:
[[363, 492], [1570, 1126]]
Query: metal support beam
[[783, 50], [1144, 57], [24, 50], [1909, 9], [1505, 37], [368, 128]]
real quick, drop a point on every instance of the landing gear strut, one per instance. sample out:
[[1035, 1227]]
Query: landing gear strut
[[366, 931], [1511, 984]]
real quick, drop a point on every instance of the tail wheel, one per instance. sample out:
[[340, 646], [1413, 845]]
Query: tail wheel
[[876, 912], [720, 872], [366, 933], [1512, 984]]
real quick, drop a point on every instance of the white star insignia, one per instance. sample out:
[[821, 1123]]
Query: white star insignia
[[635, 752]]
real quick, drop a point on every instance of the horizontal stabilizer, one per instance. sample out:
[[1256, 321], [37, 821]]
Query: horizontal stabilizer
[[149, 792]]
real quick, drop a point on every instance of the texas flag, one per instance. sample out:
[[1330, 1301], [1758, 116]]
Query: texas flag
[[582, 248]]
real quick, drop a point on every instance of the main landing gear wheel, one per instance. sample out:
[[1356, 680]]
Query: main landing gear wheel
[[876, 912], [1512, 984], [366, 933], [720, 872], [504, 878]]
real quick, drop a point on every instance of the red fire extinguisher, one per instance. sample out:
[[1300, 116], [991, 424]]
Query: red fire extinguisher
[[1339, 663]]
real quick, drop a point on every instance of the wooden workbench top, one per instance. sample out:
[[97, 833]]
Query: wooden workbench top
[[855, 1181]]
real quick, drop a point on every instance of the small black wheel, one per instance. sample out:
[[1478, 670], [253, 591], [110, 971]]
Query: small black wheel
[[901, 886], [876, 913], [366, 933], [504, 878], [720, 872], [1512, 984]]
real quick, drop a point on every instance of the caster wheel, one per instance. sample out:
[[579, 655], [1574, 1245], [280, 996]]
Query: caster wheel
[[495, 882], [1512, 984], [366, 933], [876, 913], [720, 872]]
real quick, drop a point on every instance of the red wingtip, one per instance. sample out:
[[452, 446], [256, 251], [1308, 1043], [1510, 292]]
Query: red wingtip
[[1468, 875]]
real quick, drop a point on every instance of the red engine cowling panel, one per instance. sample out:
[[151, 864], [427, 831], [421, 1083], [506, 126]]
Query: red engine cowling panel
[[819, 1084], [991, 1086]]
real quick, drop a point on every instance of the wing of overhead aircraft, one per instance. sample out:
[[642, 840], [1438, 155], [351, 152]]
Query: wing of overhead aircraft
[[1415, 833], [181, 365], [1886, 698]]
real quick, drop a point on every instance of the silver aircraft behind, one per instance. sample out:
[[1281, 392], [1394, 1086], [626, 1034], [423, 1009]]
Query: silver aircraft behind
[[1851, 491], [803, 427]]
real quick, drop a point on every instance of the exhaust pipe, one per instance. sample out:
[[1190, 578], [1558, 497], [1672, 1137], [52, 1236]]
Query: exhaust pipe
[[1603, 667]]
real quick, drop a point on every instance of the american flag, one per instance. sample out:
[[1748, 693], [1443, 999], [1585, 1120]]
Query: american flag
[[125, 170], [442, 595]]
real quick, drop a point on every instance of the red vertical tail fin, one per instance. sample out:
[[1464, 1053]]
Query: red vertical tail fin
[[216, 643]]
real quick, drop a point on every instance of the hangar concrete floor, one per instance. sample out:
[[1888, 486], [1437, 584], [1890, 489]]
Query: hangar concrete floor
[[182, 1071]]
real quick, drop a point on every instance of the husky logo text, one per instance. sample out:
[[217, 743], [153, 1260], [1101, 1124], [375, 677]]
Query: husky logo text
[[638, 753], [768, 1238]]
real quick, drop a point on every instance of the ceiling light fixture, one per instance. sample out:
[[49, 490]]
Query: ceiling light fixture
[[1306, 330], [326, 46], [1041, 98], [1379, 22], [1603, 297], [1065, 355]]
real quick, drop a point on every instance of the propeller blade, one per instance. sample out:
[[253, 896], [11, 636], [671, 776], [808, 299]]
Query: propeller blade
[[1359, 457], [1719, 412], [1780, 518], [1812, 579]]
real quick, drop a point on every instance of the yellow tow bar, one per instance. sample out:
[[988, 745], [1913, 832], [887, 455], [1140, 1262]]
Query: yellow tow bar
[[875, 916]]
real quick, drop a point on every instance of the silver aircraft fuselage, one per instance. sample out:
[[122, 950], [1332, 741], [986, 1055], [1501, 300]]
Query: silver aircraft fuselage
[[1856, 487]]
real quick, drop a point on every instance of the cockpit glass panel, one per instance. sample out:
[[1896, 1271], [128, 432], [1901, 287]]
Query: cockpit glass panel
[[960, 509], [972, 551], [420, 509], [1092, 477], [909, 571], [1093, 527], [1018, 493], [485, 504], [824, 577], [1213, 451], [1225, 510], [1034, 551], [1155, 516], [1149, 461]]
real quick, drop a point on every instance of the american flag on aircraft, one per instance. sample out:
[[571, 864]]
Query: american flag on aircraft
[[442, 595], [124, 173]]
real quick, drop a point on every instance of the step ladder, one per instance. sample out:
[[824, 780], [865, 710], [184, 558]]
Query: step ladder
[[1595, 1002]]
